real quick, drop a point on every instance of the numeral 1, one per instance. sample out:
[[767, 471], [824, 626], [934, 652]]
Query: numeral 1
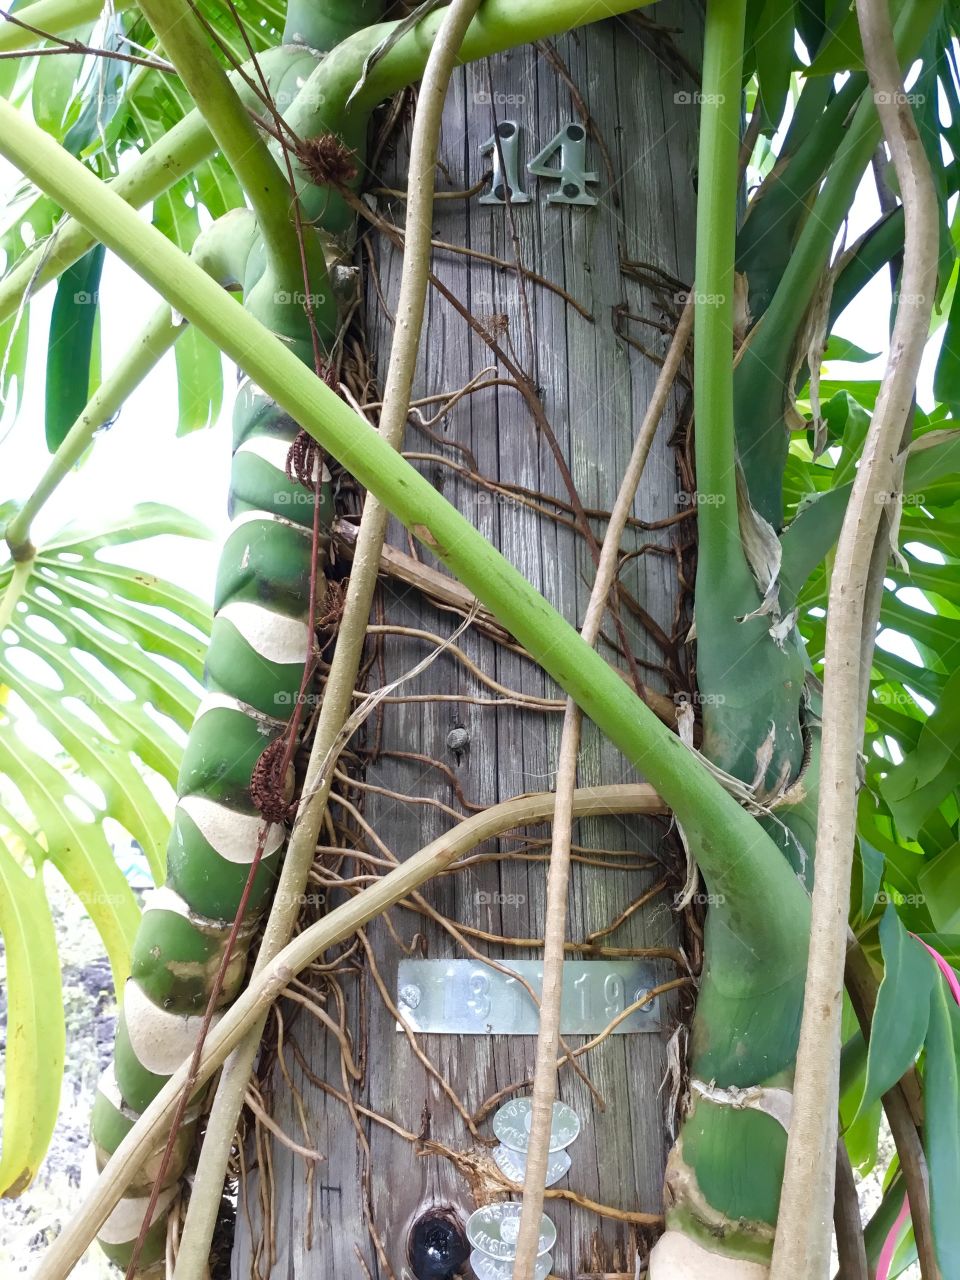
[[509, 137]]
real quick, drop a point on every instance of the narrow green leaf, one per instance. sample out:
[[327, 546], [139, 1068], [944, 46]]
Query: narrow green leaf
[[70, 345], [776, 60], [902, 1012], [942, 1127]]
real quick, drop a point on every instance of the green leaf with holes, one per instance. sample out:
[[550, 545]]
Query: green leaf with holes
[[99, 678]]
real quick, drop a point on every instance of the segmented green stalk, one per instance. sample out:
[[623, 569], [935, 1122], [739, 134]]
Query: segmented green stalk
[[260, 639]]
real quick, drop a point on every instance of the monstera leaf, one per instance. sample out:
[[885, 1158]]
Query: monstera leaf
[[98, 671]]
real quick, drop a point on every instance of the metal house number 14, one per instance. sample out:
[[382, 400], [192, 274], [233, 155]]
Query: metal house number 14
[[570, 171]]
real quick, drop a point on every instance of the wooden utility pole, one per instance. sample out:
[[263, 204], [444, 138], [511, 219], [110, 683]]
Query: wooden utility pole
[[593, 381]]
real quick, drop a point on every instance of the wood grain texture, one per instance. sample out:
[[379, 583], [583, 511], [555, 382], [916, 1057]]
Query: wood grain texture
[[594, 390]]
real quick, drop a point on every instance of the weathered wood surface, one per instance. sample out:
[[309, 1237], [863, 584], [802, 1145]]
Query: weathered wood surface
[[594, 388]]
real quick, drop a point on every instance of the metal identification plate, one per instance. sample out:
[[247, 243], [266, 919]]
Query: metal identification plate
[[466, 998]]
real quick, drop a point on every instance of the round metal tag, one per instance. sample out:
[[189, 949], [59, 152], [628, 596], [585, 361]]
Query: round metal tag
[[513, 1164], [493, 1230], [512, 1124], [485, 1268]]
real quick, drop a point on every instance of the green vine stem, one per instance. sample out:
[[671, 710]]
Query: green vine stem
[[719, 547], [736, 855], [59, 17], [737, 654]]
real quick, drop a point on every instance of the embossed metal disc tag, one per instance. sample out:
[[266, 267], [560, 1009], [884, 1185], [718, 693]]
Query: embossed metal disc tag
[[513, 1165], [485, 1268], [493, 1230], [513, 1122], [464, 997]]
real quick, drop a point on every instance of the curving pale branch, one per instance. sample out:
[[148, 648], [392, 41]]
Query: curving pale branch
[[558, 876], [802, 1244], [268, 986]]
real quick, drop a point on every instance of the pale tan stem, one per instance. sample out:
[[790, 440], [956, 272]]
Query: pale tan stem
[[268, 985], [558, 875], [338, 693], [802, 1245]]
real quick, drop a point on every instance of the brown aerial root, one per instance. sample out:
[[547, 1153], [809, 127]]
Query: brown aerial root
[[327, 160]]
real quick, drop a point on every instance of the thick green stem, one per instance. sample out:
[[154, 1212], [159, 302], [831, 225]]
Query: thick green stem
[[157, 338], [59, 17], [737, 655], [238, 138], [719, 545], [323, 24], [738, 857]]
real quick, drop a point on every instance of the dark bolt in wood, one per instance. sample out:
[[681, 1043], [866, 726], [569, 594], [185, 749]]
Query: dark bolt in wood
[[438, 1248]]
